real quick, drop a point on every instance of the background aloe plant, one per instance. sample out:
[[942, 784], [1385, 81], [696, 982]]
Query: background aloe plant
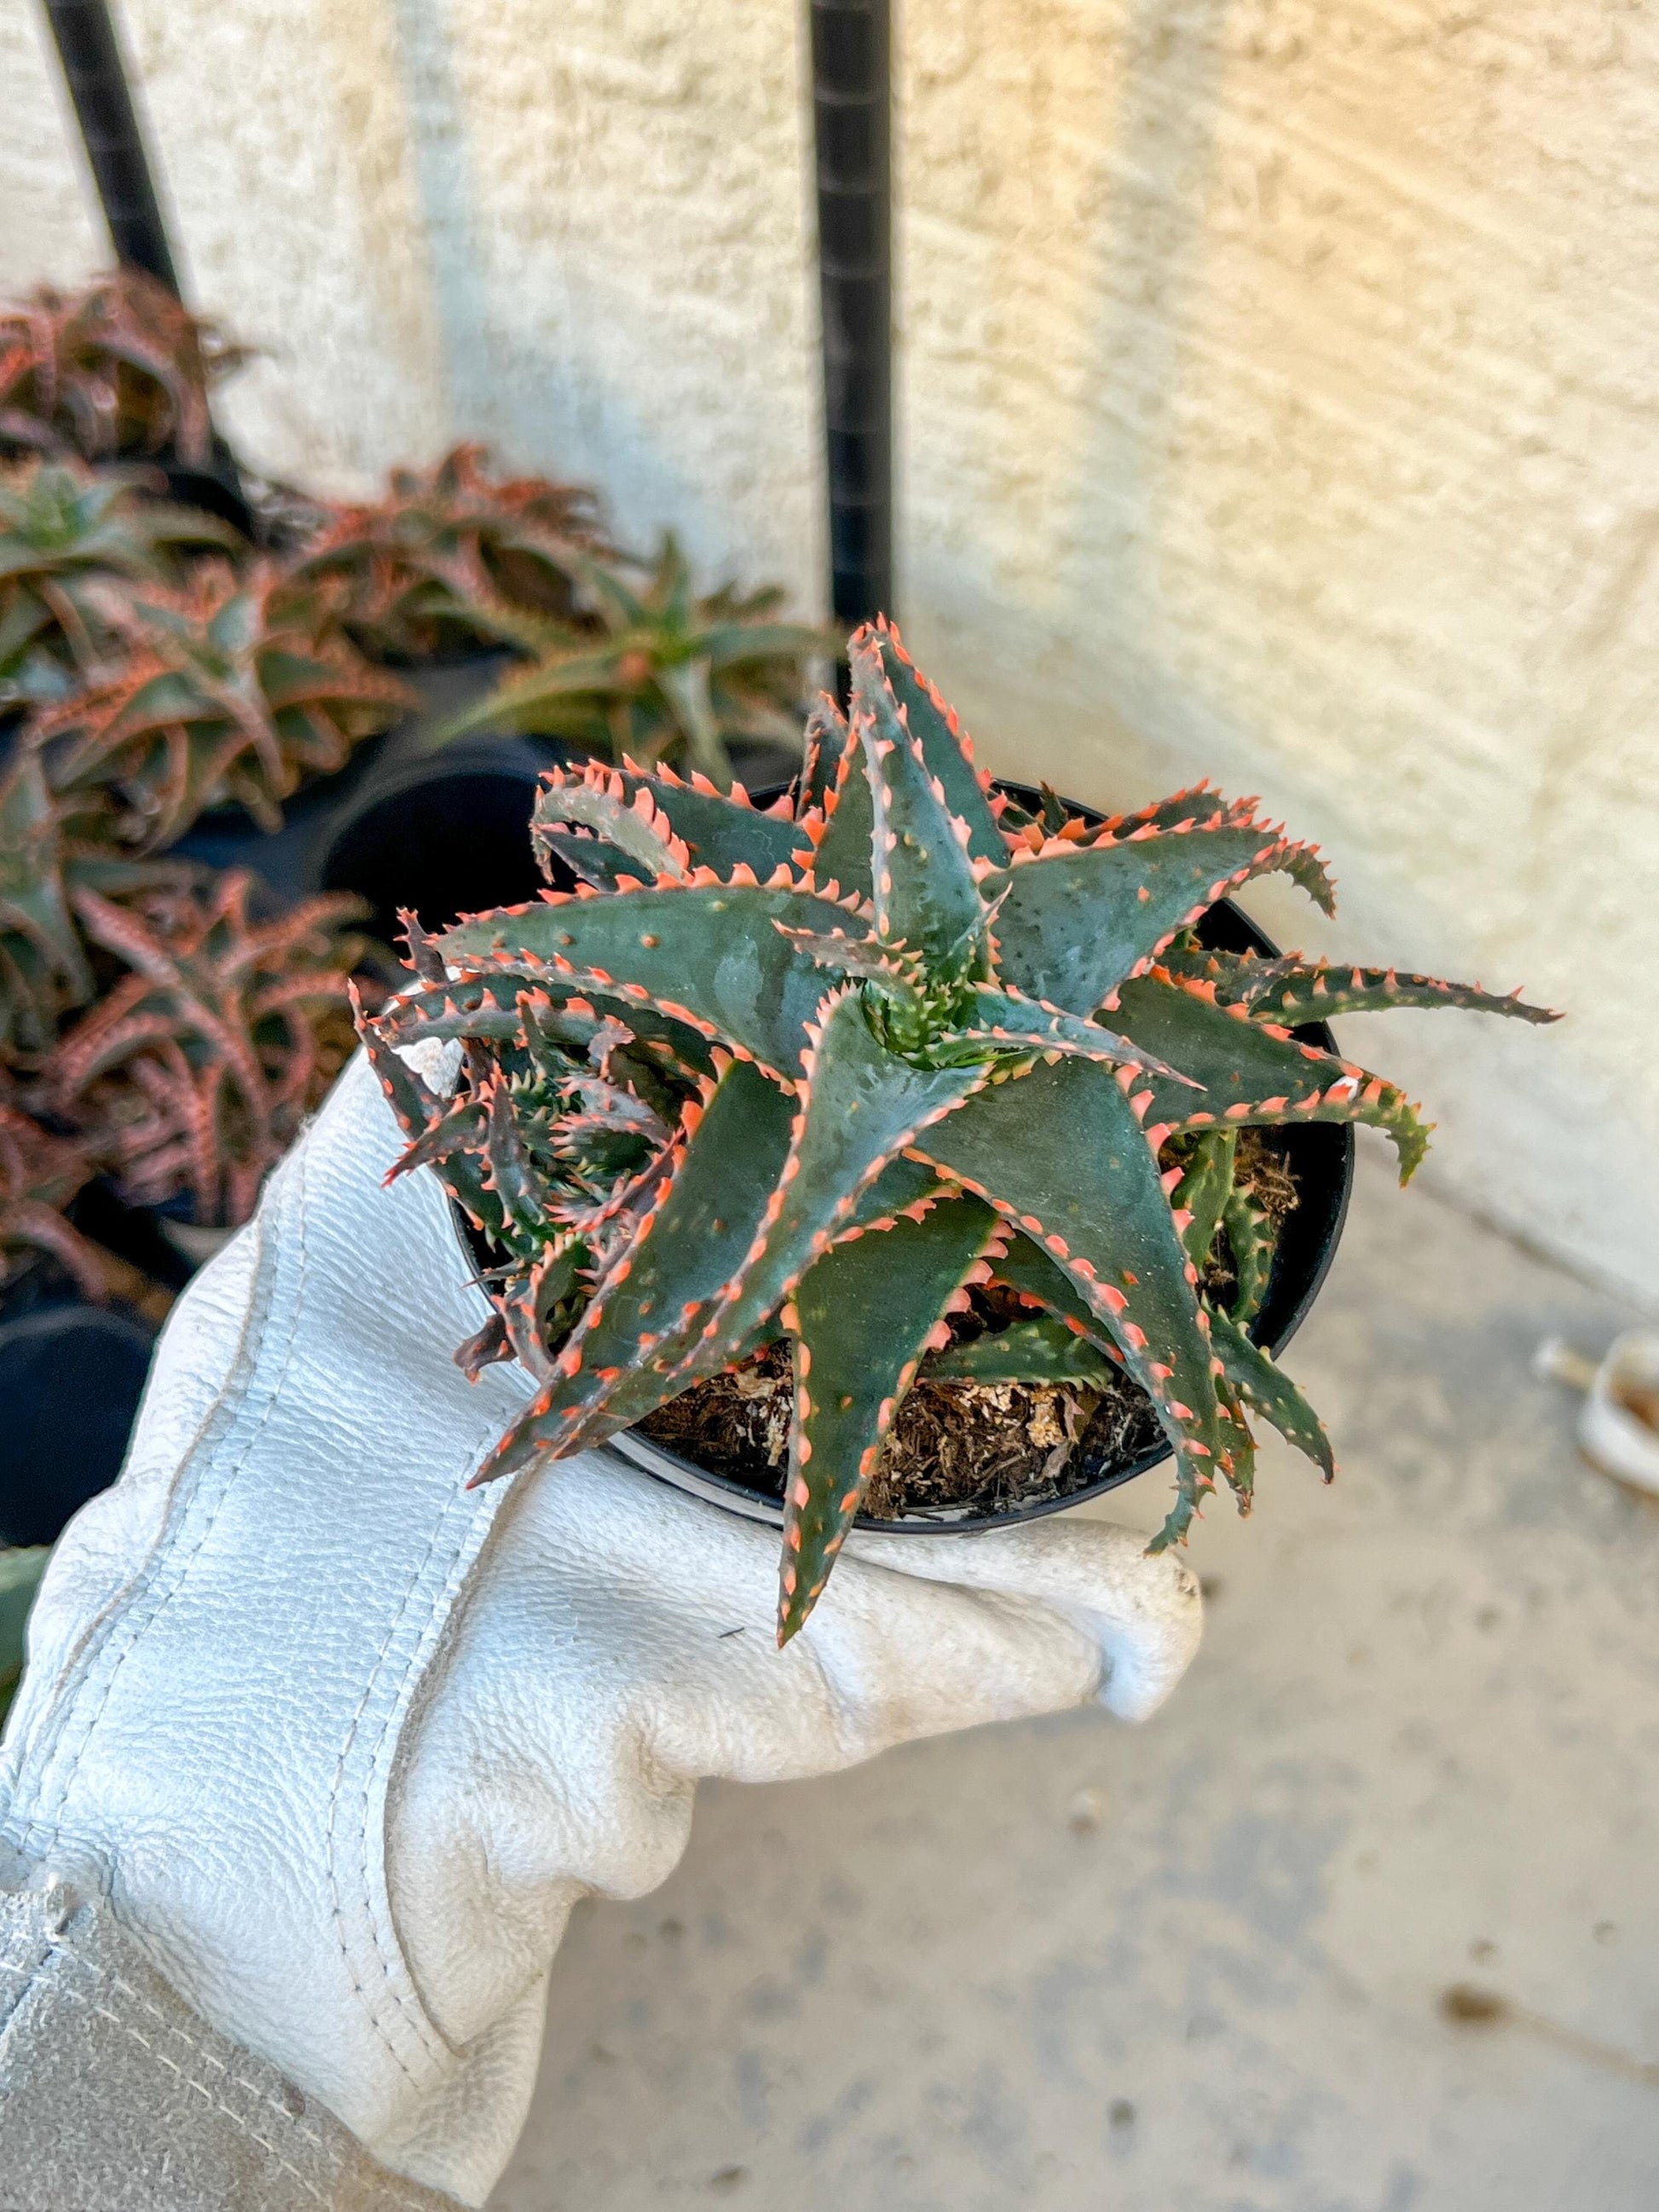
[[943, 1043], [653, 671], [116, 367], [192, 1075], [231, 689], [62, 528], [421, 567]]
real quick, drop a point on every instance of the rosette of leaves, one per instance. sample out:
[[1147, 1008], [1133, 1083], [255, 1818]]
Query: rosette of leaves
[[422, 568], [40, 1175], [231, 689], [190, 1078], [118, 368], [556, 1134], [60, 526], [45, 968], [656, 672], [955, 1043]]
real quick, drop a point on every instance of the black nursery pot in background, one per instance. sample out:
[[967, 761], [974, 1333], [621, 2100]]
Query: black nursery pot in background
[[71, 1376], [1320, 1157]]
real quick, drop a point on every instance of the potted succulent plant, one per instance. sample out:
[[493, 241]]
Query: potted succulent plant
[[656, 672], [63, 530], [421, 569], [118, 369], [189, 1078], [790, 1114], [637, 665]]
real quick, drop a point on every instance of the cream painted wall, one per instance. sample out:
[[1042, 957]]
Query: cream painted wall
[[1280, 400]]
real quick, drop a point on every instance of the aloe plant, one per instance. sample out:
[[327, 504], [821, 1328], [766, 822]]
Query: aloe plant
[[421, 566], [231, 688], [941, 1043], [192, 1075], [40, 1173], [118, 368], [656, 672], [45, 968], [61, 526]]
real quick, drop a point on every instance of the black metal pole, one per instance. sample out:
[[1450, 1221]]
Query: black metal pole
[[98, 86], [851, 114]]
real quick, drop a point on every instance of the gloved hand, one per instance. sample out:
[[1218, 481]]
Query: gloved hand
[[345, 1742]]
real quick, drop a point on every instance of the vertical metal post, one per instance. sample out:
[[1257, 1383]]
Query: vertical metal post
[[103, 106], [851, 114]]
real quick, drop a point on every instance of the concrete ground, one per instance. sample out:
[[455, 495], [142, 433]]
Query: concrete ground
[[1203, 1966]]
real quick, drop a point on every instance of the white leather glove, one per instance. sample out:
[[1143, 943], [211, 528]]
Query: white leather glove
[[345, 1742]]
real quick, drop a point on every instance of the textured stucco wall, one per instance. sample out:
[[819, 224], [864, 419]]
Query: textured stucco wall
[[1280, 400]]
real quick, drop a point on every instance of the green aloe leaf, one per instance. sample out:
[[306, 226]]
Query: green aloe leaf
[[685, 686], [1293, 991], [1250, 1241], [841, 856], [728, 645], [944, 746], [860, 1107], [1205, 1188], [1027, 1267], [1075, 923], [1264, 1385], [1039, 1350], [1254, 1073], [1005, 1021], [903, 1186], [32, 897], [829, 741], [621, 1362], [693, 828], [705, 954], [1200, 802], [925, 895], [1061, 1152], [418, 1110], [474, 1007], [861, 1317]]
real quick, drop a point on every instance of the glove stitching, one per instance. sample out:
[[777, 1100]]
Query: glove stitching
[[238, 2120], [396, 1977], [83, 1964], [145, 1584]]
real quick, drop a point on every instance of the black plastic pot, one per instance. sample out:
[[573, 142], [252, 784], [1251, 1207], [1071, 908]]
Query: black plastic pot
[[443, 836], [71, 1376], [1321, 1157], [216, 489], [447, 832], [294, 861]]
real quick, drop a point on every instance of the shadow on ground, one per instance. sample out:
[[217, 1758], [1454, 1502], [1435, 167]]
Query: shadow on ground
[[1203, 1966]]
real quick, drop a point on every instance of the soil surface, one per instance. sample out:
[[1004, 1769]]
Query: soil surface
[[964, 1449]]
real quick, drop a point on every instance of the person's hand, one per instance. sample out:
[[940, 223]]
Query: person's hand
[[345, 1741]]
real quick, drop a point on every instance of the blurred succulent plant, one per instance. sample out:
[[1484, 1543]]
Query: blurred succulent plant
[[421, 568], [192, 1076], [61, 526], [40, 1174], [19, 1577], [44, 971], [116, 367], [949, 1046], [658, 672], [230, 688]]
